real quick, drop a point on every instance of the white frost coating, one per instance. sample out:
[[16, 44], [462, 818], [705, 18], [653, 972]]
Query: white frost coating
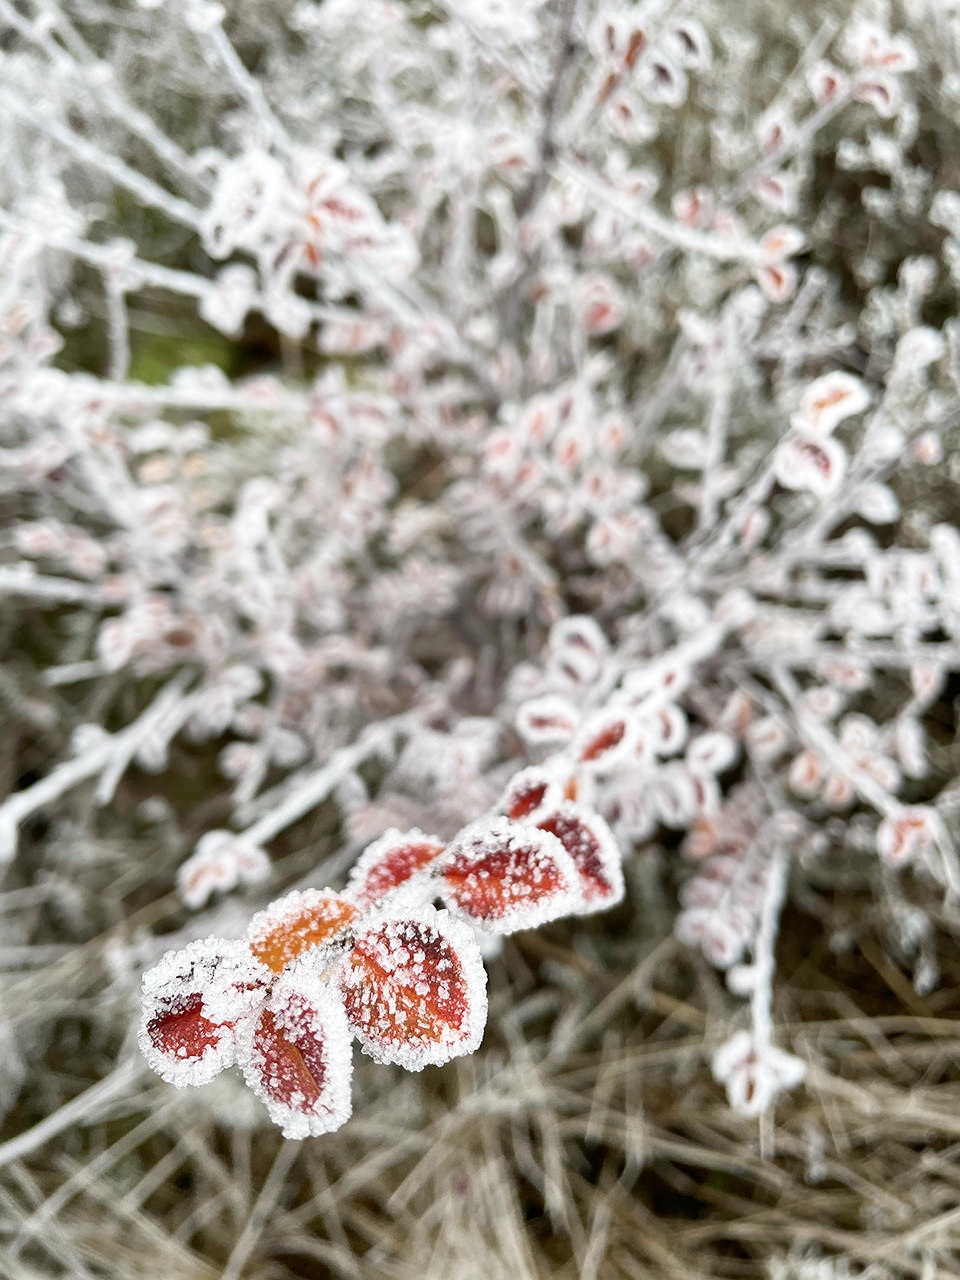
[[221, 861], [829, 400], [362, 887], [547, 719], [906, 832], [506, 876], [579, 631], [656, 684], [428, 1002], [192, 1003], [306, 1089], [595, 853], [668, 729], [754, 1072], [677, 795], [490, 945], [524, 785], [711, 753], [816, 465], [767, 738], [579, 649]]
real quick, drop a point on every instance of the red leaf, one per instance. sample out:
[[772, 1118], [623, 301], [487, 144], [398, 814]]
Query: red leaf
[[528, 792], [505, 876], [591, 845], [882, 94], [193, 1003], [182, 1031], [414, 990], [296, 922], [802, 462], [390, 862], [547, 719], [635, 47], [605, 740], [579, 648], [296, 1056], [777, 280]]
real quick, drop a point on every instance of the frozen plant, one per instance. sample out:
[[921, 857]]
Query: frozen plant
[[398, 397]]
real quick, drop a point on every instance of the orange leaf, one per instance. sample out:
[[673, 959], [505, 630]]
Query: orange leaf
[[296, 922]]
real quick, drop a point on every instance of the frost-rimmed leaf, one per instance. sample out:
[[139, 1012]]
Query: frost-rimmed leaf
[[706, 790], [828, 400], [529, 793], [905, 833], [579, 649], [547, 719], [192, 1004], [676, 795], [782, 242], [877, 503], [872, 46], [767, 738], [649, 687], [755, 1072], [220, 862], [805, 774], [816, 465], [882, 93], [302, 919], [778, 280], [668, 729], [605, 740], [711, 753], [296, 1055], [685, 448], [689, 43], [826, 82], [593, 848], [414, 989], [389, 863], [505, 876]]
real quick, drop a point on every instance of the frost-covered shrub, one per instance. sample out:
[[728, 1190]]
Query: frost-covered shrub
[[583, 397]]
